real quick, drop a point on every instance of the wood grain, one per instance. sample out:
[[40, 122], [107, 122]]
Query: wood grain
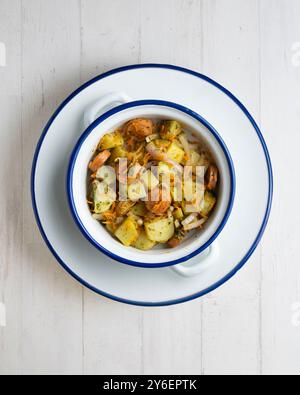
[[11, 211], [281, 249], [112, 332], [232, 57], [172, 341], [51, 301]]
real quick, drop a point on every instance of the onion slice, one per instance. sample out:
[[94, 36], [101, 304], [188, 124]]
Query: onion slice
[[195, 225], [189, 219], [186, 146]]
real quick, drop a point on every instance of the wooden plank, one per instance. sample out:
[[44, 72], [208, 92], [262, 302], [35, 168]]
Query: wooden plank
[[231, 315], [172, 342], [51, 300], [171, 32], [281, 121], [10, 191], [112, 332], [110, 35]]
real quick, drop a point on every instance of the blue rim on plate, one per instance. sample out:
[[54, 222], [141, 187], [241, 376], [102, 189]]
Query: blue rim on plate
[[266, 216], [109, 114]]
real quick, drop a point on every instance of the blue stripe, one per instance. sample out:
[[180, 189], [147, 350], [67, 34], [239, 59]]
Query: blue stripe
[[266, 216]]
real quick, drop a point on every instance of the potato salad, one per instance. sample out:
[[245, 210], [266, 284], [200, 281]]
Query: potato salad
[[152, 183]]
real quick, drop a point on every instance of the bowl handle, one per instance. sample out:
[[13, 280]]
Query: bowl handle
[[200, 263], [104, 104]]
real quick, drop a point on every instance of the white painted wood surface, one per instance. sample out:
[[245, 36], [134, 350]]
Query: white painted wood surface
[[249, 326]]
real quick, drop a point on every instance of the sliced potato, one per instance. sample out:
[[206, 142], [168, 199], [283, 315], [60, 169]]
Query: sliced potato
[[127, 233], [106, 174], [149, 180], [176, 153], [143, 242], [136, 219], [136, 191], [160, 230], [111, 140], [207, 204], [170, 129], [103, 196], [116, 153], [102, 191]]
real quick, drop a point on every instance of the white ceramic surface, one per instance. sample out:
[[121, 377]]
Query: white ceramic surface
[[77, 185], [157, 286]]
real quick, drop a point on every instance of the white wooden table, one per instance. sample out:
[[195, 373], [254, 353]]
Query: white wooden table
[[48, 322]]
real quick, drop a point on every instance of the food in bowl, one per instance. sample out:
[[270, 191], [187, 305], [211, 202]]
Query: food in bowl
[[152, 182]]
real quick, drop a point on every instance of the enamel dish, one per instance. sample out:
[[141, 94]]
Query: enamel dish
[[98, 235], [159, 286]]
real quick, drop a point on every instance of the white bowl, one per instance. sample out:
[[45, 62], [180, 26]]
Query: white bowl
[[77, 182]]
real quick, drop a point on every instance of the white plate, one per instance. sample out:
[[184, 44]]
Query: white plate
[[253, 186]]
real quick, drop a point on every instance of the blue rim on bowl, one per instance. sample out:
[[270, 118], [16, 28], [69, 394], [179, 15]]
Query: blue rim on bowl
[[107, 115], [252, 247]]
